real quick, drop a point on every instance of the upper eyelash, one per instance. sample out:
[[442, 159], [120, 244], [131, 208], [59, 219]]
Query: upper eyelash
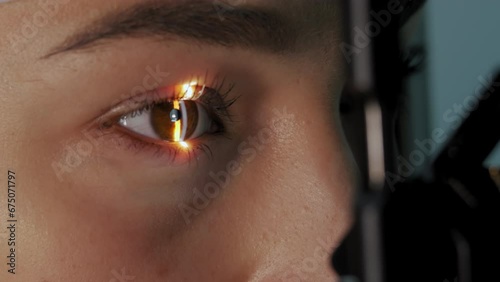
[[153, 98], [216, 102]]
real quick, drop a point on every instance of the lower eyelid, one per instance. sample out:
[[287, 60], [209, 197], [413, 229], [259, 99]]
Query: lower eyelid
[[116, 138]]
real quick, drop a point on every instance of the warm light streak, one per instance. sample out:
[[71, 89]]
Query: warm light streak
[[177, 126], [188, 90]]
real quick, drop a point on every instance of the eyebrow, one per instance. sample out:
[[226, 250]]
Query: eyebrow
[[206, 22]]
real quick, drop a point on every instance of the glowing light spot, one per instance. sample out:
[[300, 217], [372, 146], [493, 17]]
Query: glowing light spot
[[184, 145], [177, 126], [188, 90]]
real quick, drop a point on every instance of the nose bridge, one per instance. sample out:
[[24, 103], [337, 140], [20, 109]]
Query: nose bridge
[[305, 171], [307, 141]]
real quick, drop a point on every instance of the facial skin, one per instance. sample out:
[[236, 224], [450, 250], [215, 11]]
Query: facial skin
[[117, 209]]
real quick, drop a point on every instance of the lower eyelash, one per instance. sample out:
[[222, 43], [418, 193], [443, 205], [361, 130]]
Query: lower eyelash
[[176, 154]]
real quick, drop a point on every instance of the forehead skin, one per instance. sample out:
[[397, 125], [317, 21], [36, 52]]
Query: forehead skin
[[317, 23], [45, 24]]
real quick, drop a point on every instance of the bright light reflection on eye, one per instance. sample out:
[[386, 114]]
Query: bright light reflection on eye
[[177, 120], [177, 126], [188, 90]]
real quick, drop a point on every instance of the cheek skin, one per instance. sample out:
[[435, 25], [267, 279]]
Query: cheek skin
[[274, 222], [271, 218], [289, 202]]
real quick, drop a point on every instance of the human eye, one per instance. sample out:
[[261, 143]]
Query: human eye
[[174, 119], [180, 119], [171, 121]]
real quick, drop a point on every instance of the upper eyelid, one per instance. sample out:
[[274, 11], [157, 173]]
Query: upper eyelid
[[131, 101], [217, 81], [150, 98], [130, 104]]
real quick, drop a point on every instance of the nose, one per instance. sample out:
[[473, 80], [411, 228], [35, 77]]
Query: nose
[[305, 172], [287, 205]]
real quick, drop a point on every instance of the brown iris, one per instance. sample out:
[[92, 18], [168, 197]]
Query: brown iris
[[175, 121]]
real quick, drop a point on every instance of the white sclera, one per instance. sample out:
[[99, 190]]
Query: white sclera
[[141, 124]]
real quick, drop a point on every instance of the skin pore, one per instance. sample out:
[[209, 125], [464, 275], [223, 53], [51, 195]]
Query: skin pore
[[267, 201]]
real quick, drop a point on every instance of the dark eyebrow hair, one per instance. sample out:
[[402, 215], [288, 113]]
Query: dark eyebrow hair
[[206, 22]]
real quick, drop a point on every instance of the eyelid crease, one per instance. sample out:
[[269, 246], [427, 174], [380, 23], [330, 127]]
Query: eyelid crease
[[210, 96], [163, 93]]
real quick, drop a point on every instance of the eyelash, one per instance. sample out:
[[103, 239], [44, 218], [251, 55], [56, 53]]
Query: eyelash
[[216, 101], [212, 99]]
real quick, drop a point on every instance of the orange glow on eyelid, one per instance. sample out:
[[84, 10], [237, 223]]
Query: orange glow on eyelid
[[177, 126], [187, 91]]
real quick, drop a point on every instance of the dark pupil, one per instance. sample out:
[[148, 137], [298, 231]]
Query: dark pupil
[[164, 117], [175, 115]]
